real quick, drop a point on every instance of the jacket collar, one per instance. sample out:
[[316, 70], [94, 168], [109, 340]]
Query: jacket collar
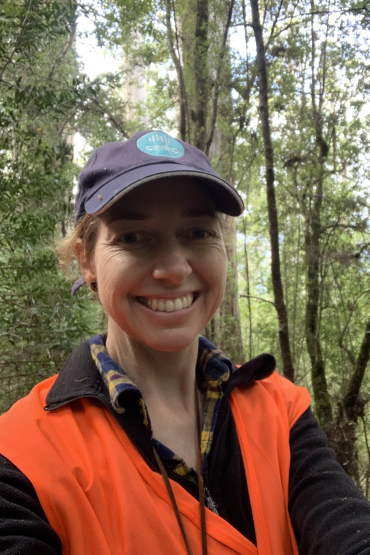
[[80, 378]]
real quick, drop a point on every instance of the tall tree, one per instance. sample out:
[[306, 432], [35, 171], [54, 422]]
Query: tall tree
[[277, 284], [313, 230]]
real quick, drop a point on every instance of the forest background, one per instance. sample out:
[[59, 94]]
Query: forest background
[[283, 113]]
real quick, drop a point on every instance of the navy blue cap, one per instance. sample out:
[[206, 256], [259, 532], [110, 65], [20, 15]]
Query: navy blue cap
[[116, 168]]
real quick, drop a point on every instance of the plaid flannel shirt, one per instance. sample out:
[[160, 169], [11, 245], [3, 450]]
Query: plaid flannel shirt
[[214, 370]]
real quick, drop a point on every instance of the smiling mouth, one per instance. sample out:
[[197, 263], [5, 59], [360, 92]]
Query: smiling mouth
[[168, 305]]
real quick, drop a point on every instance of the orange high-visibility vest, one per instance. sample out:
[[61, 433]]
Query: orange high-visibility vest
[[101, 497]]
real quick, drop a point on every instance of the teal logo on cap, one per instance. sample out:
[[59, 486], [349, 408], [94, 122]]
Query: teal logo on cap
[[160, 144]]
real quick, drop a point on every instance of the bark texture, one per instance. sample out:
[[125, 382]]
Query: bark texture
[[201, 74]]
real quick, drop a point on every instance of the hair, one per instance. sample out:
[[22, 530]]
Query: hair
[[85, 231]]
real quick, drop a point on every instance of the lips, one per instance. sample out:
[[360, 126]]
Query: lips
[[167, 305]]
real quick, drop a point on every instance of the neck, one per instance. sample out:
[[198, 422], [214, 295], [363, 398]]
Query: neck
[[166, 377]]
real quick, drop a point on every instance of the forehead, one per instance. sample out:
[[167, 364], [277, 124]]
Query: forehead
[[182, 196]]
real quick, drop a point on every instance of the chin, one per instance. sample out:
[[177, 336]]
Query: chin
[[172, 343]]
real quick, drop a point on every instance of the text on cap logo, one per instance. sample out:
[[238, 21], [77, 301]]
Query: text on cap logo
[[160, 144]]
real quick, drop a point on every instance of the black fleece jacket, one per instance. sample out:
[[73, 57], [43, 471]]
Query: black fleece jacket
[[329, 515]]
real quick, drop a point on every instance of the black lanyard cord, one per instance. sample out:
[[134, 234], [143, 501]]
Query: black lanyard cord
[[202, 510]]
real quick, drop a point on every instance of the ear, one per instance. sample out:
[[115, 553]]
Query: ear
[[86, 266]]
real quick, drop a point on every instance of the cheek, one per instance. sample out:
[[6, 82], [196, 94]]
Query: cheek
[[222, 279], [223, 271], [113, 272], [215, 271], [110, 262]]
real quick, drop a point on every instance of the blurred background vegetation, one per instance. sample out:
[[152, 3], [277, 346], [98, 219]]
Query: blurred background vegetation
[[276, 92]]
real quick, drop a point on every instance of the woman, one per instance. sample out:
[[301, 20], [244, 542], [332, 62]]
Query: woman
[[150, 440]]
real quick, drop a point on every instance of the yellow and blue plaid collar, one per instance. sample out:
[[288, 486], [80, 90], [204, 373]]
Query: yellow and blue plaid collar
[[214, 371]]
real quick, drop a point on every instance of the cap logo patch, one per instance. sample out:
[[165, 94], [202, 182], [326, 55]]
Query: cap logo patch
[[160, 144]]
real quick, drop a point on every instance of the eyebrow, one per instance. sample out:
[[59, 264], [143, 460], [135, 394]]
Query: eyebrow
[[135, 216], [141, 216], [132, 216], [199, 213]]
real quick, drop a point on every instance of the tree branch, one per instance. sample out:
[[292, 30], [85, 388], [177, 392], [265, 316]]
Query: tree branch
[[259, 299], [17, 41], [274, 24], [64, 52]]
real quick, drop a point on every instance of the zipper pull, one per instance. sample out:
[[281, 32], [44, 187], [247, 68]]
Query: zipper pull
[[211, 504]]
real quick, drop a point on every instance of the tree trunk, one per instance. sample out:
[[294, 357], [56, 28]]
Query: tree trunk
[[230, 340], [350, 409], [217, 85], [357, 377], [194, 80], [179, 71], [312, 247], [201, 74], [286, 356], [247, 279]]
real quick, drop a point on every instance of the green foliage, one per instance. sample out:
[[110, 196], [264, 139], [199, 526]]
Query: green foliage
[[39, 321], [101, 112]]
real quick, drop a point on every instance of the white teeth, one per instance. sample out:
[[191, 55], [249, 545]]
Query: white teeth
[[168, 305], [178, 304]]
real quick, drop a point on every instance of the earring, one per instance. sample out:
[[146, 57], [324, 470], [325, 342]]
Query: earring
[[94, 286]]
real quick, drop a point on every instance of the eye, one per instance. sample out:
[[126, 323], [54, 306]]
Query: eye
[[200, 234], [131, 237]]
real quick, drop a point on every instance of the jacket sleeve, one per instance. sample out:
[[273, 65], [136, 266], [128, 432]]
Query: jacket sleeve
[[328, 513], [24, 529]]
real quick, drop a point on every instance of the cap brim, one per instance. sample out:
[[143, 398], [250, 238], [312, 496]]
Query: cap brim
[[227, 199]]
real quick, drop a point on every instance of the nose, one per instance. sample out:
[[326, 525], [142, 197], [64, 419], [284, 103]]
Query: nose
[[172, 263]]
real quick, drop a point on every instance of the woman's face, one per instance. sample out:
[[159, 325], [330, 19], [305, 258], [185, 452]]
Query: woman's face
[[160, 263]]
